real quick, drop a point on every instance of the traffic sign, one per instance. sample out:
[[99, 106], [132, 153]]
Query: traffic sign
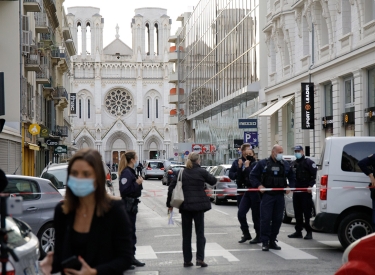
[[251, 137], [248, 123], [187, 153], [34, 129], [197, 148], [176, 154]]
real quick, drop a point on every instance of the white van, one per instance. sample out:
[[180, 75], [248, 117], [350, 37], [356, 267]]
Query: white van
[[341, 209]]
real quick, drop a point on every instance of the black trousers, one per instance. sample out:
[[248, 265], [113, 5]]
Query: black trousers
[[187, 220], [302, 204], [133, 219], [271, 209], [250, 200]]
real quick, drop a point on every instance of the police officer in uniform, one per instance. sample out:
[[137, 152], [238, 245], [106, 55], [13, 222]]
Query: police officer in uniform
[[250, 199], [367, 166], [305, 171], [272, 173]]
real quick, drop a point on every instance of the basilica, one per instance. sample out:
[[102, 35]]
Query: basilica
[[119, 94]]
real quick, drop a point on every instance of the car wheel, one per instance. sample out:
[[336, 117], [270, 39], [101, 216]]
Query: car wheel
[[353, 227], [145, 177], [46, 236], [286, 219]]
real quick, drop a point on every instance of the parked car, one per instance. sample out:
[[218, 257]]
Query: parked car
[[39, 201], [221, 173], [153, 169], [212, 170], [171, 172], [358, 258], [25, 245], [346, 212]]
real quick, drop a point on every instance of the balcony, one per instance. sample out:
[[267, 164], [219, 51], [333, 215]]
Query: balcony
[[48, 90], [41, 25], [173, 120], [174, 98], [32, 63], [61, 131], [60, 96], [47, 39], [175, 55], [50, 8], [27, 101], [60, 58], [31, 6], [173, 77], [42, 77]]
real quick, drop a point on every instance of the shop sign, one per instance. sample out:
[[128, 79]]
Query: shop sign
[[307, 92], [348, 118], [237, 143], [73, 103], [251, 137], [34, 129], [61, 149], [327, 121], [52, 142], [247, 123], [370, 114], [44, 132]]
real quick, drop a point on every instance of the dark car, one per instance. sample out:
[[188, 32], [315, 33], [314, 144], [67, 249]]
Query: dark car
[[169, 173]]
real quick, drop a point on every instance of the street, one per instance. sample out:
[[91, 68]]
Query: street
[[160, 245]]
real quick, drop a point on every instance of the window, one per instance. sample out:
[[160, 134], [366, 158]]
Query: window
[[369, 10], [156, 39], [147, 39], [157, 107], [148, 108], [79, 37], [88, 38], [328, 103], [371, 88], [80, 108], [23, 186], [354, 152], [346, 17], [88, 108], [349, 95]]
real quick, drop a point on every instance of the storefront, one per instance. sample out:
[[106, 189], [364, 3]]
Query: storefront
[[370, 111]]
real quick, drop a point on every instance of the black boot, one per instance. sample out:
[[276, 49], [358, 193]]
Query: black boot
[[265, 246], [274, 246], [308, 236], [295, 235], [255, 240], [137, 263], [246, 236]]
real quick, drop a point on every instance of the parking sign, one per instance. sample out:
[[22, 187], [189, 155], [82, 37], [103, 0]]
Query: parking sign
[[251, 137]]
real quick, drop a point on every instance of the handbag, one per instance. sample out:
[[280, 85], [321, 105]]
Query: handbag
[[178, 194]]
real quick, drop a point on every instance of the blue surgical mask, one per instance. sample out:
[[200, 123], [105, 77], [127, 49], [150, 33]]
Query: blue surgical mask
[[279, 157], [298, 155], [81, 187]]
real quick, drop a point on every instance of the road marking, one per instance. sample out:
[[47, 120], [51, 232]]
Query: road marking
[[171, 235], [335, 244], [222, 212], [289, 252], [215, 233], [214, 249], [145, 252]]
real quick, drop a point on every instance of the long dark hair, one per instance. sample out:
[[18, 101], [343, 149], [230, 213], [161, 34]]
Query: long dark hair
[[93, 158]]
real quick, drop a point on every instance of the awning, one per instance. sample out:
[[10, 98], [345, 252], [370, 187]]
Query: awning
[[262, 110], [277, 106], [32, 146]]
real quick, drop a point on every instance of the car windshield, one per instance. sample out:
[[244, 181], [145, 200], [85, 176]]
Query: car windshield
[[57, 177], [156, 165], [17, 234], [176, 168]]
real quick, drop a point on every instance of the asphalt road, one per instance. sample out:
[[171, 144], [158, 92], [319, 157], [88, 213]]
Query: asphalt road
[[160, 245]]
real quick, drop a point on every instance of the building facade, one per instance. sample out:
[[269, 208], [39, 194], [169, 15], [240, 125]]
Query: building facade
[[329, 43], [35, 59], [119, 92], [217, 54]]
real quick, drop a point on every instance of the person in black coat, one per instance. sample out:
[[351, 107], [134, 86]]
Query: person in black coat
[[130, 189], [195, 204], [89, 224]]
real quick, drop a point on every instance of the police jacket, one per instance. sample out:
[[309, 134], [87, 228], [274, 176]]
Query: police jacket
[[235, 173], [305, 171], [272, 174], [128, 185], [193, 186], [245, 173], [367, 165]]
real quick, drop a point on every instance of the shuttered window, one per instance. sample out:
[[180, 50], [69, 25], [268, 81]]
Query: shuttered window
[[10, 158]]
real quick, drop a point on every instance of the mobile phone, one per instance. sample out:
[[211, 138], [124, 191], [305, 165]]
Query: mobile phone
[[14, 205], [72, 263]]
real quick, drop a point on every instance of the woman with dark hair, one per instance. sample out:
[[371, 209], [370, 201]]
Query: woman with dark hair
[[130, 189], [89, 225], [195, 204]]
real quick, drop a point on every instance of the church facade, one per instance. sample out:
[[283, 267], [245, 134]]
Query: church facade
[[119, 98]]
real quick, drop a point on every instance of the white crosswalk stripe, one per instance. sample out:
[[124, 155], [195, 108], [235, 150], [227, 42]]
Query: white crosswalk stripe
[[289, 252]]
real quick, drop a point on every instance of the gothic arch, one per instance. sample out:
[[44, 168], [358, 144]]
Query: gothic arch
[[122, 136], [155, 139], [85, 139]]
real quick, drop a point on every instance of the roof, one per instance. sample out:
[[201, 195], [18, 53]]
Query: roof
[[117, 46]]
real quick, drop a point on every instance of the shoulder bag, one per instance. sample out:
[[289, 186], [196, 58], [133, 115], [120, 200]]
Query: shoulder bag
[[178, 194]]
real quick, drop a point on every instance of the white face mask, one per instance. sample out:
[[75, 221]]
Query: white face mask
[[279, 157]]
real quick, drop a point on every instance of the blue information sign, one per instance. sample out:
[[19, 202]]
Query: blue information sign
[[247, 123], [251, 137]]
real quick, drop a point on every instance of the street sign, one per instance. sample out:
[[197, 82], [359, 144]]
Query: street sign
[[73, 97], [248, 123], [61, 149], [44, 132], [187, 153], [176, 154], [251, 137], [197, 148], [52, 142], [34, 129]]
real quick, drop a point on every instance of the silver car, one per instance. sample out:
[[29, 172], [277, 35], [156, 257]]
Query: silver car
[[153, 169], [40, 198], [221, 173], [26, 247]]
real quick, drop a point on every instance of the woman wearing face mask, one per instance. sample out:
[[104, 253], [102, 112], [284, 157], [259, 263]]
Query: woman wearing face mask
[[89, 225], [130, 189]]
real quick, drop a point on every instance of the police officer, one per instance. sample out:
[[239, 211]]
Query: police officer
[[272, 173], [367, 166], [249, 200], [305, 171]]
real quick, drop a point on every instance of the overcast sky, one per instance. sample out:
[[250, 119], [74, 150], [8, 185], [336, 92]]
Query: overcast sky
[[121, 12]]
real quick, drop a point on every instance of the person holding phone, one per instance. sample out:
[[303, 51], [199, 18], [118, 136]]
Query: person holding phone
[[130, 189], [92, 229]]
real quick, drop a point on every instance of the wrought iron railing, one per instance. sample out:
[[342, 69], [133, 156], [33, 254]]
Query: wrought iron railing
[[33, 59], [61, 131], [58, 52], [60, 92], [44, 73], [40, 19]]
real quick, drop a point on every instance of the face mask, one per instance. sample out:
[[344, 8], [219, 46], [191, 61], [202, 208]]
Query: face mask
[[81, 187], [250, 158], [279, 157], [298, 155]]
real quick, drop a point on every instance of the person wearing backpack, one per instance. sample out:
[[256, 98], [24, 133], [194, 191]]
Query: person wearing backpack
[[305, 170], [193, 207]]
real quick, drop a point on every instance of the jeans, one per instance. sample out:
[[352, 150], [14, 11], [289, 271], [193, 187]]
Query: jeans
[[239, 198], [133, 219], [271, 209], [250, 200], [187, 220], [302, 204]]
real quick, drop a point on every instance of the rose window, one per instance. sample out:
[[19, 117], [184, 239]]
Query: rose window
[[119, 102]]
